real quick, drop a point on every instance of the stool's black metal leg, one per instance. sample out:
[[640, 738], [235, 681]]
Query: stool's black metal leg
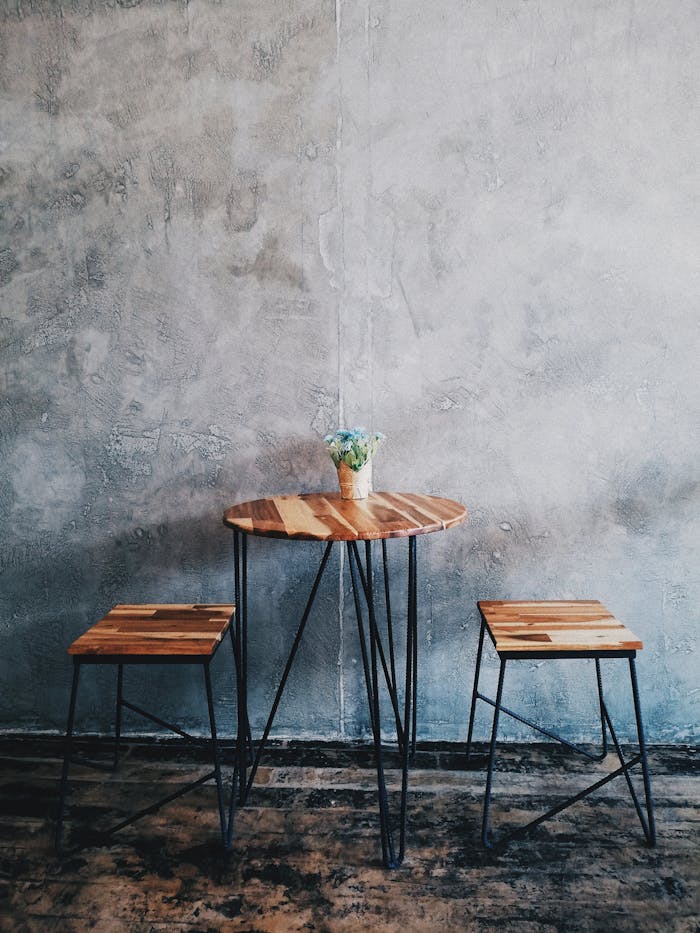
[[492, 754], [601, 706], [217, 758], [118, 717], [650, 829], [625, 768], [66, 755], [477, 671]]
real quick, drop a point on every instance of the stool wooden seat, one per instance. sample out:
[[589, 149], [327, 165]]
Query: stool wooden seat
[[555, 629], [555, 626], [153, 633], [150, 631]]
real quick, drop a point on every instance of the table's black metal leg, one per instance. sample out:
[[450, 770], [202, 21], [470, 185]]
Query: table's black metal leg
[[217, 759], [391, 687], [235, 775], [372, 697], [413, 620], [387, 841], [240, 559], [370, 662], [389, 623], [68, 746], [355, 570], [244, 639], [414, 720], [372, 702], [475, 691], [410, 688], [371, 658], [118, 717], [287, 669], [650, 827], [485, 838]]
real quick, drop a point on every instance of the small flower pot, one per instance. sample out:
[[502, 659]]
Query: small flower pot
[[355, 484]]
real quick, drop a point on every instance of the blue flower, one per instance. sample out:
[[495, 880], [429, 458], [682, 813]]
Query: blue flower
[[354, 448]]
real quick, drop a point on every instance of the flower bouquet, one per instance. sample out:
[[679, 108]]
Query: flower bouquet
[[352, 452]]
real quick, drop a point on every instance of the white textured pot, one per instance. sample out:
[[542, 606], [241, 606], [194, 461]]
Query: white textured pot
[[355, 484]]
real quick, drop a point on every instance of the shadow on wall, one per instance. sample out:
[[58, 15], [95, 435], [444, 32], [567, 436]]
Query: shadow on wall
[[50, 595], [51, 598], [85, 567], [57, 582], [168, 562]]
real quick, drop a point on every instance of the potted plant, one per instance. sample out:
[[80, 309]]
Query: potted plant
[[352, 452]]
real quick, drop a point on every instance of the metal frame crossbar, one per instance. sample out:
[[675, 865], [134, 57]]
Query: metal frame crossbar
[[647, 823], [226, 822]]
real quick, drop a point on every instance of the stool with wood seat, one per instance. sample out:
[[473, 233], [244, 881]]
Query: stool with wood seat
[[152, 634], [560, 629]]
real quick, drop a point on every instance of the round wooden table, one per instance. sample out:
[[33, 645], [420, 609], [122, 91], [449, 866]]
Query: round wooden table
[[328, 518]]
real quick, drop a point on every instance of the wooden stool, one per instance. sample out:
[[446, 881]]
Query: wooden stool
[[152, 634], [560, 629]]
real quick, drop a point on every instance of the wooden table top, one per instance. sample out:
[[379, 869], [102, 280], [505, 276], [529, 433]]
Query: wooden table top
[[326, 517], [156, 630], [555, 626]]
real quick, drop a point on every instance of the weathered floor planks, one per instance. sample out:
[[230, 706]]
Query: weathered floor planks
[[306, 854]]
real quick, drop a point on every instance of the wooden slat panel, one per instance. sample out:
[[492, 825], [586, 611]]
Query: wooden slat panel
[[399, 517], [369, 519], [327, 517], [156, 630], [299, 519], [338, 524], [555, 625], [431, 512]]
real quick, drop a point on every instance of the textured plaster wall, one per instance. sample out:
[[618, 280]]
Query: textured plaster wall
[[228, 227]]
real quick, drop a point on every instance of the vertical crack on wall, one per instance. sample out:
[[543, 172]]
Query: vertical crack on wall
[[339, 207], [341, 400], [368, 214]]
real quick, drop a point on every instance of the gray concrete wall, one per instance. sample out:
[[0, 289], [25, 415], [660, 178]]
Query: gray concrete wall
[[229, 227]]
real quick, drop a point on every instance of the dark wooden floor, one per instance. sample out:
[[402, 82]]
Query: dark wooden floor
[[306, 854]]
